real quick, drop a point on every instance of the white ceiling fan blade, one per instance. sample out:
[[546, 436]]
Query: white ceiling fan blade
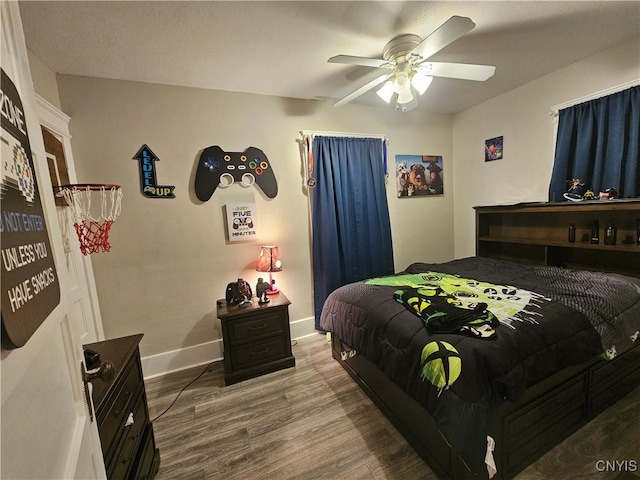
[[446, 33], [362, 61], [463, 71], [362, 90]]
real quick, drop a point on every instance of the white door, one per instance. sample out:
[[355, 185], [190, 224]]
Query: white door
[[82, 290], [45, 427]]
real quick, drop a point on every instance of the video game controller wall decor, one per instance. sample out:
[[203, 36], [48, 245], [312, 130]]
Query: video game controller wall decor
[[219, 168]]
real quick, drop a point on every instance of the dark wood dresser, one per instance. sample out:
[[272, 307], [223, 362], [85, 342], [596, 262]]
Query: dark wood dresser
[[257, 338], [126, 434]]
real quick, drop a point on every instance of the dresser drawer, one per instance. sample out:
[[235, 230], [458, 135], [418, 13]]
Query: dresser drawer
[[536, 446], [258, 352], [149, 461], [609, 371], [601, 399], [551, 409], [111, 422], [257, 326], [131, 438]]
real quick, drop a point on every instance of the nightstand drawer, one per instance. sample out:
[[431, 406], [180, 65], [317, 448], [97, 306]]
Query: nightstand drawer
[[255, 327], [260, 352]]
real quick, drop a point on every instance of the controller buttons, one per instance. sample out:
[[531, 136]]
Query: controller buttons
[[259, 171], [264, 165], [227, 158], [226, 179], [248, 179], [252, 165], [211, 164], [231, 167], [243, 158], [242, 167]]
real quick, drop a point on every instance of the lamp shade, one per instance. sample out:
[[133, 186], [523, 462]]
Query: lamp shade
[[421, 82], [269, 259], [386, 92]]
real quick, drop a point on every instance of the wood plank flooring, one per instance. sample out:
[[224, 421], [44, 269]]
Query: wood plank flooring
[[313, 422]]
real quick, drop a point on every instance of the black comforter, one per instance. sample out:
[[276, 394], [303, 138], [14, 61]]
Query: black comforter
[[547, 322]]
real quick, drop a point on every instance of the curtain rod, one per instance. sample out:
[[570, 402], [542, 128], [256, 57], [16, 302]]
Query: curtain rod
[[342, 134], [602, 93]]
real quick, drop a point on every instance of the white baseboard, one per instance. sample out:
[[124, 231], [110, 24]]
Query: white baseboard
[[205, 353]]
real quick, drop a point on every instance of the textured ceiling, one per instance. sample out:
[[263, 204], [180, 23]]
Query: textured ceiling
[[281, 48]]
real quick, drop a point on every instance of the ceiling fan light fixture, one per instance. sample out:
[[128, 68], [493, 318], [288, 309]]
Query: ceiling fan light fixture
[[386, 91], [402, 86], [401, 83], [421, 82], [407, 107], [405, 96]]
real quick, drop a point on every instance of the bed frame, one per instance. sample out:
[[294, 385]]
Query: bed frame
[[553, 409]]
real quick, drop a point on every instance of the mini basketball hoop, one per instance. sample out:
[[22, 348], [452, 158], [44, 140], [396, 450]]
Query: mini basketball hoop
[[92, 225]]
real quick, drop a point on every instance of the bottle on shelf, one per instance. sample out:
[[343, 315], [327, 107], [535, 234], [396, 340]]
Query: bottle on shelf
[[572, 232], [610, 235], [595, 234]]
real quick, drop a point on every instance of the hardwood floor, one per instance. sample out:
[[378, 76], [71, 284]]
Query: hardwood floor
[[313, 422]]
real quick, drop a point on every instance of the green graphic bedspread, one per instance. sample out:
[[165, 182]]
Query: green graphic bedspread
[[539, 328]]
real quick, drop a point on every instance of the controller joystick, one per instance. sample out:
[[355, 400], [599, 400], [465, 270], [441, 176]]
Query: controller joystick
[[217, 167]]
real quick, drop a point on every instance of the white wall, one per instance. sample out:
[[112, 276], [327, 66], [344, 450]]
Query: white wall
[[44, 80], [169, 260], [521, 116]]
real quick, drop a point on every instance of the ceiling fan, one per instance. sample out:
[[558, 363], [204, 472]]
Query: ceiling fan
[[407, 70]]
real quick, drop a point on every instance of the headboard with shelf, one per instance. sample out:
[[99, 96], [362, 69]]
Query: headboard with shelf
[[539, 233]]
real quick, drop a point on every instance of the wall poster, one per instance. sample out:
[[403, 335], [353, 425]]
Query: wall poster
[[241, 222], [493, 149], [419, 175], [30, 286]]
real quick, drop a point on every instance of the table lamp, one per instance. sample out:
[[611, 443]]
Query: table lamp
[[269, 261]]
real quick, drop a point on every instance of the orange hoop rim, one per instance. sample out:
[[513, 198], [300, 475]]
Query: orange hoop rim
[[94, 187]]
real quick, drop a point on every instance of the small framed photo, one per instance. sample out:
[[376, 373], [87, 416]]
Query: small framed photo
[[493, 149], [419, 175]]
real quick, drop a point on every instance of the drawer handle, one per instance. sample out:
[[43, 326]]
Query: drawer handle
[[128, 395], [252, 328], [260, 352], [127, 460]]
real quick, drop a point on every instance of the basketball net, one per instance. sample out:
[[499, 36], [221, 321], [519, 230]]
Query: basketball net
[[93, 229]]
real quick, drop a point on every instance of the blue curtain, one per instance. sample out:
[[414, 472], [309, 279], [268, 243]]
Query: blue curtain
[[598, 141], [350, 220]]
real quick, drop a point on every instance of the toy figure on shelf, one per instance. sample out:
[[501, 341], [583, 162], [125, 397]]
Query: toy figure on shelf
[[609, 194], [576, 190], [262, 288]]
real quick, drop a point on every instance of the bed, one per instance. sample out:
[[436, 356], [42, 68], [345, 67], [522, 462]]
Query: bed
[[485, 363]]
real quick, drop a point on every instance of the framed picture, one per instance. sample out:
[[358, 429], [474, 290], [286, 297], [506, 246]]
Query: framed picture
[[493, 149], [241, 222], [418, 175]]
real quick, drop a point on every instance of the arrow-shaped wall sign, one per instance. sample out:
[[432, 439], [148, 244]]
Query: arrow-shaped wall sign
[[146, 161]]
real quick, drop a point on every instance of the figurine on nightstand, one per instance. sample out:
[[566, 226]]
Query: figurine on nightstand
[[262, 288], [245, 291]]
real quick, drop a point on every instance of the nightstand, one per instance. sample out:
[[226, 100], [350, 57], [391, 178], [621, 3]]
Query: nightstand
[[256, 338]]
